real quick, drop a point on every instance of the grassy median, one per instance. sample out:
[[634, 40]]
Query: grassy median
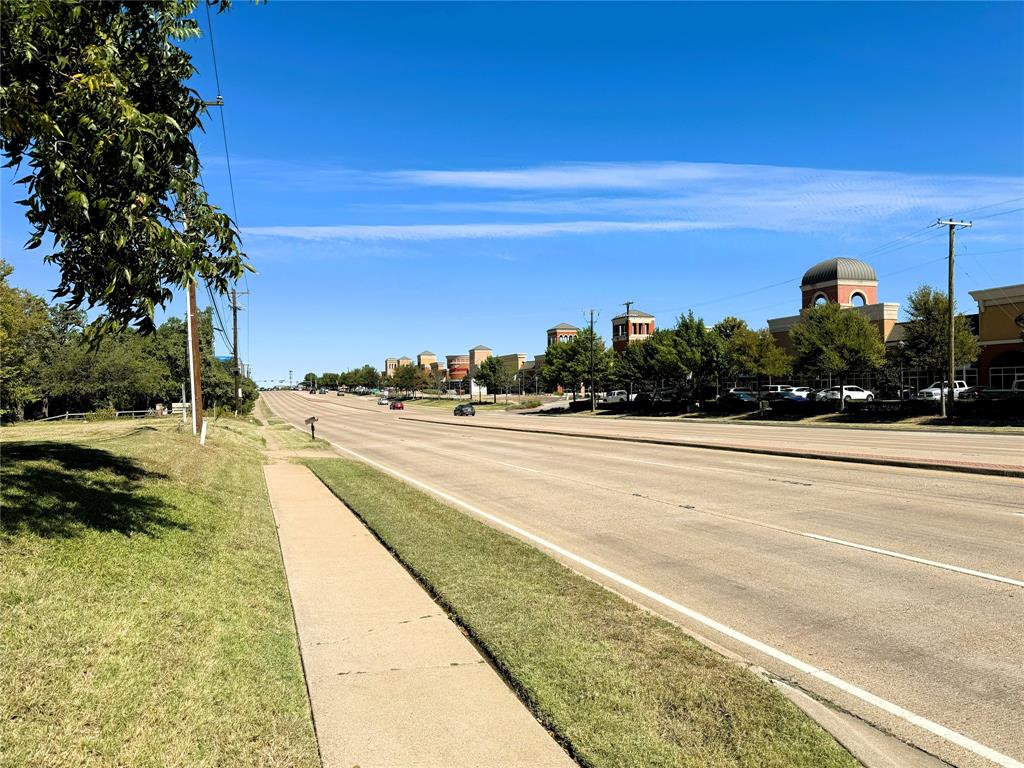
[[144, 613], [617, 685]]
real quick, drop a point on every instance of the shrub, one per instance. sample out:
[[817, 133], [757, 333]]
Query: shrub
[[102, 414]]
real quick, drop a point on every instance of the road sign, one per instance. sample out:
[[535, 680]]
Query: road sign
[[311, 419]]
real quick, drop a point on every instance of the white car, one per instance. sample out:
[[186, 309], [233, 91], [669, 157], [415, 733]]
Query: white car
[[803, 392], [768, 389], [382, 401], [850, 392], [940, 389], [618, 396]]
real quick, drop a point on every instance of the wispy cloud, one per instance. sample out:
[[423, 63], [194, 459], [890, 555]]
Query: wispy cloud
[[474, 231], [596, 198]]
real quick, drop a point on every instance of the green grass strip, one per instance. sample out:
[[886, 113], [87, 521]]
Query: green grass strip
[[618, 686], [144, 614]]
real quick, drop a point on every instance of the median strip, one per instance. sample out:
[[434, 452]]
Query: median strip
[[999, 470], [617, 685]]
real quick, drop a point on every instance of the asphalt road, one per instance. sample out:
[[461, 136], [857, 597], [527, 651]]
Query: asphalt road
[[897, 594]]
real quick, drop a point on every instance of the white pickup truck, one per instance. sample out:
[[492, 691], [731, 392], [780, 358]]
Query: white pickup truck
[[618, 396], [939, 389]]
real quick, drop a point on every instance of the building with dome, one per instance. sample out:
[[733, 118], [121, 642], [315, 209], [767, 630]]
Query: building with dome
[[852, 284]]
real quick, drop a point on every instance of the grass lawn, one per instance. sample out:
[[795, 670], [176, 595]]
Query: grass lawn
[[144, 613], [618, 685]]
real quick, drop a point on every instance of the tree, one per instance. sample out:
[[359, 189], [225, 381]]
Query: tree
[[24, 333], [330, 380], [493, 374], [832, 340], [94, 98], [926, 333], [409, 378], [567, 363]]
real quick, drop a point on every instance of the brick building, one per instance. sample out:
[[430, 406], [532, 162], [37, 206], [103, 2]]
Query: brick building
[[561, 333], [852, 284], [390, 364], [630, 327]]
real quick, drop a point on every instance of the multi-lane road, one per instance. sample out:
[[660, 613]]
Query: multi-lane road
[[896, 593]]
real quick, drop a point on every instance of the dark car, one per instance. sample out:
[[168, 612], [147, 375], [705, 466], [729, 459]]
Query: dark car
[[397, 406], [464, 409], [976, 393], [738, 401]]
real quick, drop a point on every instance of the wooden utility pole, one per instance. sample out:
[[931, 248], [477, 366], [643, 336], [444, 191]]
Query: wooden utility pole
[[195, 360], [947, 408], [593, 394], [234, 325], [627, 305]]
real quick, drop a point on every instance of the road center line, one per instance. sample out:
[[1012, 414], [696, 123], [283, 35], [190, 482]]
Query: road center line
[[939, 730]]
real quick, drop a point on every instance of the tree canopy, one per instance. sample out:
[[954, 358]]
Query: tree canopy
[[494, 375], [94, 103], [926, 333], [832, 340]]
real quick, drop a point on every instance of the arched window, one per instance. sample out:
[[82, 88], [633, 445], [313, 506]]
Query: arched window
[[819, 299], [857, 299]]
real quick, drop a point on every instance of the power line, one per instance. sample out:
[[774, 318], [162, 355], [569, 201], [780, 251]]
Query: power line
[[223, 124], [1000, 213], [992, 205]]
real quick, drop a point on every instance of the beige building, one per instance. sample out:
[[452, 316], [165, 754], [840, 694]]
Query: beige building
[[425, 359], [1000, 335], [476, 356], [514, 362], [404, 361], [390, 364]]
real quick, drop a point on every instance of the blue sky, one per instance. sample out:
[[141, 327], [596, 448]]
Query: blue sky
[[425, 176]]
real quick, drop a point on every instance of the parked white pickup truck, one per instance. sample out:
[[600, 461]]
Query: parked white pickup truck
[[940, 389], [618, 396]]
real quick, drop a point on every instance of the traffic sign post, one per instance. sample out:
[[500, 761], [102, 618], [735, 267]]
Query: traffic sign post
[[312, 427]]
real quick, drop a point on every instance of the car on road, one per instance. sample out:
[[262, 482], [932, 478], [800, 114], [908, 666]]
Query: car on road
[[340, 393], [618, 396], [464, 409], [850, 392], [939, 389], [382, 401], [397, 405]]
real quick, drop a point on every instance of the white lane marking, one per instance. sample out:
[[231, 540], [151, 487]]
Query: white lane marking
[[896, 710], [763, 524], [911, 558]]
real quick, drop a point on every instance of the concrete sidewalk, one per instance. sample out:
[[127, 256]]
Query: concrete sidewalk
[[392, 681]]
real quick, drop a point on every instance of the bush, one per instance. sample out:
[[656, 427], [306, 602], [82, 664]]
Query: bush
[[102, 414]]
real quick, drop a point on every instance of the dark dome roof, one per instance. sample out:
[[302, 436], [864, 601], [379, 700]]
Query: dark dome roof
[[839, 269]]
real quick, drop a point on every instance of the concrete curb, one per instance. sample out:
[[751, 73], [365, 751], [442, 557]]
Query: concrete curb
[[849, 458]]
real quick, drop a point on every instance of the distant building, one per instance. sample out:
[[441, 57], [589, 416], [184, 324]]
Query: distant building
[[404, 361], [514, 362], [390, 364], [630, 327], [1000, 329], [458, 367], [476, 356], [852, 284], [425, 359], [561, 333]]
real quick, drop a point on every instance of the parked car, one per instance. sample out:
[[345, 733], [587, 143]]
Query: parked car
[[464, 409], [975, 393], [397, 405], [740, 389], [807, 393], [340, 393], [618, 396], [738, 401], [769, 388], [382, 401], [939, 389], [850, 392]]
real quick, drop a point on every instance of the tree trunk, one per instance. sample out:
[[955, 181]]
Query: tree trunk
[[842, 393]]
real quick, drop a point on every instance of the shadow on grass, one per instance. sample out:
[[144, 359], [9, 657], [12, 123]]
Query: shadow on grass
[[61, 490]]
